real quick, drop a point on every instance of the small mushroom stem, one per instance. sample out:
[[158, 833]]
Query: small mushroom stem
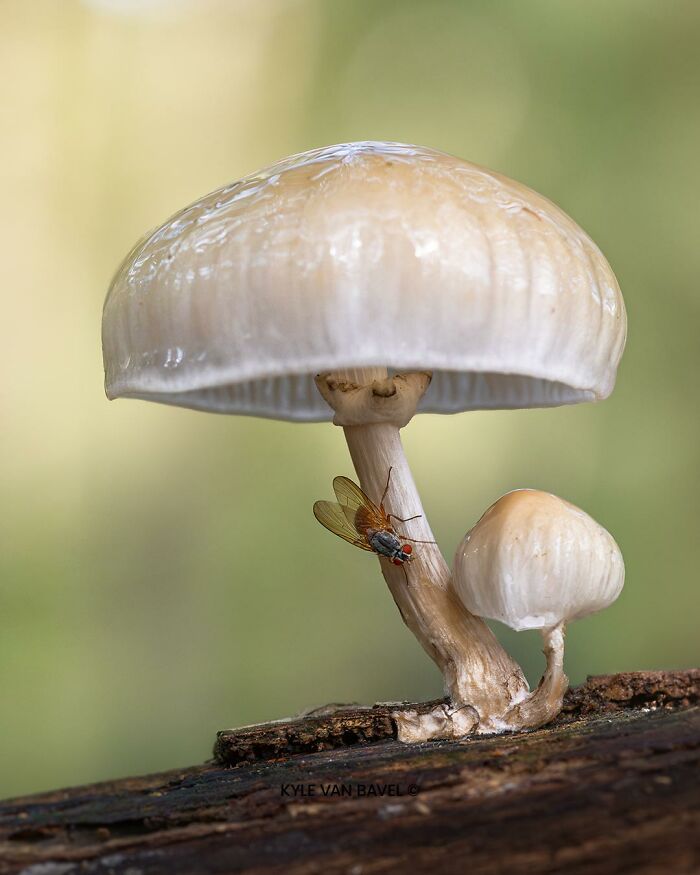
[[544, 703], [478, 673]]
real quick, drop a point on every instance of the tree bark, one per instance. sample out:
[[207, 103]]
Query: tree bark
[[611, 786]]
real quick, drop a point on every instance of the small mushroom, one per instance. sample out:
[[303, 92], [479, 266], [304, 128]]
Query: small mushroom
[[535, 561], [364, 283]]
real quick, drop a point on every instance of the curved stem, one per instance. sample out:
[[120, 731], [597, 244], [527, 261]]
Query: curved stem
[[544, 703], [478, 672]]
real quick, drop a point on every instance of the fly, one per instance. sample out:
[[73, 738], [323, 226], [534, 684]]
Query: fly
[[358, 520]]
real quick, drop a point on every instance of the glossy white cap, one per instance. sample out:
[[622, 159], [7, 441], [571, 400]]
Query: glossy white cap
[[362, 255], [534, 560]]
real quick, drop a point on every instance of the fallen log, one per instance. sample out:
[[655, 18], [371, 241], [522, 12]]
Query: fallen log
[[611, 786]]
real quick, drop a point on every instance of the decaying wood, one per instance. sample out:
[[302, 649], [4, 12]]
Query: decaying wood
[[611, 786], [345, 725]]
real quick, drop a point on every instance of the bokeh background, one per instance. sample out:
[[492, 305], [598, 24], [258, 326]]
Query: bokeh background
[[141, 608]]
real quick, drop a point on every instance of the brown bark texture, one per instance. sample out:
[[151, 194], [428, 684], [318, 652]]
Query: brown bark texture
[[611, 786]]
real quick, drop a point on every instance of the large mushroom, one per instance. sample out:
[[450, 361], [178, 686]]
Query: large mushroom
[[364, 283]]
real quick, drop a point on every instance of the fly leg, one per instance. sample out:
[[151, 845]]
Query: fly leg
[[386, 488], [414, 540], [392, 516]]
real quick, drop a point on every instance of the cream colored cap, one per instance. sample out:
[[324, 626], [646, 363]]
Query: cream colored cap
[[534, 560], [362, 255]]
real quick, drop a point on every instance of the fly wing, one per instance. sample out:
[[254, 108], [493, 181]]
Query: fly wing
[[332, 516], [351, 498]]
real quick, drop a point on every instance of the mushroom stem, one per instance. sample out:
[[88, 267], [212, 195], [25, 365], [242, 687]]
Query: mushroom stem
[[477, 671], [545, 702]]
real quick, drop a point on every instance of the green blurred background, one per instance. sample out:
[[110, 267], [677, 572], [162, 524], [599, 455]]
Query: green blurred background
[[139, 612]]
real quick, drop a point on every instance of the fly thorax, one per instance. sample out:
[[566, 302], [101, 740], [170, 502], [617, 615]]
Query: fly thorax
[[385, 544]]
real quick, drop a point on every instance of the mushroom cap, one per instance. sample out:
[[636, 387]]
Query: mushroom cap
[[364, 255], [534, 560]]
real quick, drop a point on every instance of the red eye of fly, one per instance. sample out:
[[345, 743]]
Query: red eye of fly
[[397, 561], [407, 548]]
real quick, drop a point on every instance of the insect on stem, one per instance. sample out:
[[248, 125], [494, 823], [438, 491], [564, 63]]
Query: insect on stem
[[357, 519]]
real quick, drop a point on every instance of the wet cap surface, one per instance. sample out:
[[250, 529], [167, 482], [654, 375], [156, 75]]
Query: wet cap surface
[[360, 255]]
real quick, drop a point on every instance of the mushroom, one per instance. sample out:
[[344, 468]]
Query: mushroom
[[535, 561], [363, 283]]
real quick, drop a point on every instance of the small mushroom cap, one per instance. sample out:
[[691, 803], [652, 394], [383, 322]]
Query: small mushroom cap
[[534, 560], [364, 255]]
